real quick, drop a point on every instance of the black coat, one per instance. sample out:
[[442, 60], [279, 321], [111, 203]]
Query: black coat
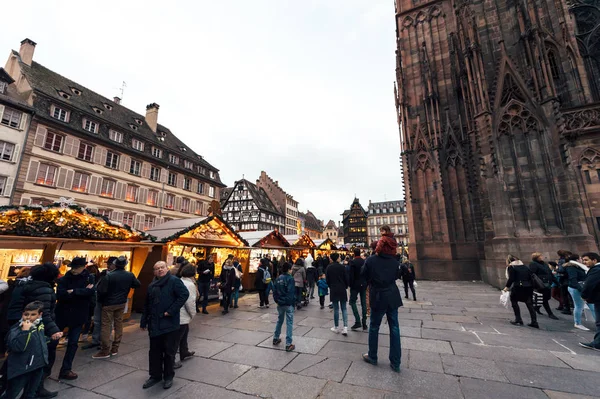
[[543, 271], [114, 287], [357, 282], [32, 290], [575, 275], [259, 284], [519, 276], [227, 279], [73, 309], [165, 295], [206, 278], [407, 272], [591, 286], [337, 280], [381, 272]]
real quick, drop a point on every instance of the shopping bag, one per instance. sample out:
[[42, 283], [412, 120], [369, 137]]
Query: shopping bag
[[415, 284], [587, 313], [505, 299]]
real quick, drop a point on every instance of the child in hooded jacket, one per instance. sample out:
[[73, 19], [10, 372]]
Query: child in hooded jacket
[[387, 243], [323, 290]]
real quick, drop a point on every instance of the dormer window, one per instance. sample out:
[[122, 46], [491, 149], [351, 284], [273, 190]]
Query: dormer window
[[137, 144], [174, 159], [76, 91], [139, 122], [182, 149], [59, 113], [115, 136], [188, 165], [3, 86], [64, 95], [156, 152], [211, 174], [134, 127], [90, 126], [107, 106], [97, 110], [161, 136]]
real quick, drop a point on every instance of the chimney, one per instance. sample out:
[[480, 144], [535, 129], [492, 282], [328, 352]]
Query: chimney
[[117, 100], [26, 51], [152, 116]]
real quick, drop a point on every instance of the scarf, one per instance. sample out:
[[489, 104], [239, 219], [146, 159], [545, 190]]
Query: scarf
[[157, 284], [35, 323]]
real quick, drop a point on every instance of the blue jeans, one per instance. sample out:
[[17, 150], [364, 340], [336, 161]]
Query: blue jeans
[[395, 346], [288, 312], [578, 304], [268, 289], [73, 336], [28, 381], [235, 295], [336, 313]]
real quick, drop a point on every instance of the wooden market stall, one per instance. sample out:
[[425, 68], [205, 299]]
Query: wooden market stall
[[325, 247], [271, 243], [31, 235], [195, 239], [302, 245]]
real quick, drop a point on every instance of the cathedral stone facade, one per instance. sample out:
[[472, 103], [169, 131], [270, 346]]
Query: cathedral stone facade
[[499, 115]]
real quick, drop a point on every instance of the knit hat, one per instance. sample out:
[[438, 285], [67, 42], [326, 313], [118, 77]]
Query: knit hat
[[78, 262], [121, 262]]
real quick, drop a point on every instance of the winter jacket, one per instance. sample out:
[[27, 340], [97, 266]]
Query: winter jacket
[[337, 280], [188, 310], [238, 282], [299, 274], [259, 283], [381, 272], [308, 261], [227, 278], [407, 272], [543, 271], [114, 287], [312, 275], [3, 286], [591, 285], [33, 290], [284, 291], [575, 275], [27, 350], [165, 295], [72, 309], [354, 275], [206, 278], [518, 275], [387, 244], [323, 287]]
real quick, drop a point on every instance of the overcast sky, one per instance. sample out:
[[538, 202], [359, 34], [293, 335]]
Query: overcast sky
[[300, 89]]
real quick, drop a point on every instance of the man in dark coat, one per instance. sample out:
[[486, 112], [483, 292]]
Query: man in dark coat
[[358, 287], [166, 295], [381, 272], [337, 280], [206, 272], [261, 283], [407, 272], [113, 290], [74, 294], [591, 294]]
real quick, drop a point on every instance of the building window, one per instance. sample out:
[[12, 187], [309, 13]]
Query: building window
[[3, 87], [137, 144], [200, 188], [154, 173], [554, 69], [211, 191], [156, 152], [86, 152], [90, 126], [149, 222], [3, 184], [11, 117], [60, 114], [170, 201], [211, 174], [107, 213], [46, 174], [115, 136], [128, 218], [174, 159], [185, 205], [172, 180], [152, 199], [108, 188], [588, 178], [198, 210], [135, 167], [132, 193], [53, 142], [188, 165], [6, 151], [80, 182], [187, 183], [112, 160]]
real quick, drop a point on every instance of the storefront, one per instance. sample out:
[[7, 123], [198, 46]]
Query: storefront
[[325, 247], [301, 246]]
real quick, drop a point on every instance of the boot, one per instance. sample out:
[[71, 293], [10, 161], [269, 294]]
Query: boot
[[356, 326], [517, 322], [44, 393], [364, 326], [534, 324]]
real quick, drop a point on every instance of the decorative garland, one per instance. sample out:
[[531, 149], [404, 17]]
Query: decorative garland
[[175, 236], [276, 234]]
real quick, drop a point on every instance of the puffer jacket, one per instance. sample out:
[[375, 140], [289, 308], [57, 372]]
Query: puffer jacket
[[299, 274], [34, 290], [28, 350], [165, 295], [576, 275], [188, 310]]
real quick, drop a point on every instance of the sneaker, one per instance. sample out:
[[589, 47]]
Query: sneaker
[[267, 306], [534, 325], [582, 327], [290, 347], [345, 331], [188, 355], [356, 326], [101, 355], [69, 375], [367, 359], [261, 307], [150, 382], [335, 330], [322, 307], [277, 341], [589, 346], [235, 306], [365, 326], [395, 368]]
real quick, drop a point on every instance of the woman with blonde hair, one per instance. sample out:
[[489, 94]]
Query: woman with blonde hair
[[542, 270], [520, 284]]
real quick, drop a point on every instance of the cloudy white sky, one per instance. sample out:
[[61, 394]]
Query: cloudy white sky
[[300, 89]]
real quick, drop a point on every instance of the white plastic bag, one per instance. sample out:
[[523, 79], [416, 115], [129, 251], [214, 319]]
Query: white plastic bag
[[505, 299], [415, 284], [587, 313]]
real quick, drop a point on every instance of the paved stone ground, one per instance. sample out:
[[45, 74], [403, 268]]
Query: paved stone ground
[[456, 343]]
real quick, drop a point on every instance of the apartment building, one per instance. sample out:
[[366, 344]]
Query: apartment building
[[390, 213], [282, 200]]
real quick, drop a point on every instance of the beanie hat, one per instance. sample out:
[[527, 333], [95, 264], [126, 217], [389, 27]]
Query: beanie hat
[[111, 260], [121, 262], [78, 262]]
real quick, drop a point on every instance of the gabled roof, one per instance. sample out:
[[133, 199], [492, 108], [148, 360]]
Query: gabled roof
[[259, 196], [328, 242], [256, 238], [311, 222], [174, 229], [331, 225], [355, 205], [301, 241], [119, 117]]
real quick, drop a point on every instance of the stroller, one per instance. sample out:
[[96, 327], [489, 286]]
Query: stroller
[[305, 295]]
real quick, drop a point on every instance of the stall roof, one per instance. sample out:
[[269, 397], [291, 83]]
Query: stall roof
[[324, 243], [295, 238], [255, 237], [179, 228]]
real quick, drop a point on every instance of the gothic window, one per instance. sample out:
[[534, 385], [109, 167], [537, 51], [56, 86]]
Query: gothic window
[[587, 17], [553, 63]]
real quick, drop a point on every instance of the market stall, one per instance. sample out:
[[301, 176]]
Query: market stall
[[195, 239], [301, 245], [325, 247], [264, 243]]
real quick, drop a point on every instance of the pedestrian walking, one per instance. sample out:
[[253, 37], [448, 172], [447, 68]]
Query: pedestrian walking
[[235, 296], [337, 280], [206, 272], [227, 280], [74, 294], [27, 353], [407, 272], [381, 272], [97, 318], [299, 274], [542, 270], [113, 290], [323, 289], [284, 296], [164, 300], [591, 294], [187, 313], [358, 289], [520, 284], [563, 282], [576, 277], [261, 280], [312, 275]]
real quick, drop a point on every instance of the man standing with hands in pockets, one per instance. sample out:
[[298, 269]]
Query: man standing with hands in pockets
[[206, 272]]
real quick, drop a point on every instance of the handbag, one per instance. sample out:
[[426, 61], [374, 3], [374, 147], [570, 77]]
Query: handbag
[[538, 283]]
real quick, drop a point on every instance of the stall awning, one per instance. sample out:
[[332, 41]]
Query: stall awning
[[207, 230], [302, 241], [265, 239], [327, 245]]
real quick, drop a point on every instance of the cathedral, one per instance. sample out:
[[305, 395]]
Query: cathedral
[[498, 104]]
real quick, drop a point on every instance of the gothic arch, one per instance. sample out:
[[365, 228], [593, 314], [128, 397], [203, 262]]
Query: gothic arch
[[590, 158]]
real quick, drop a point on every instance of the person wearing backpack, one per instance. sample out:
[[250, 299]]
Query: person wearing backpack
[[261, 281], [284, 295], [299, 274]]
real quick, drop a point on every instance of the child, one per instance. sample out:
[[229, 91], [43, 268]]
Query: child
[[387, 243], [323, 289], [284, 295], [27, 353]]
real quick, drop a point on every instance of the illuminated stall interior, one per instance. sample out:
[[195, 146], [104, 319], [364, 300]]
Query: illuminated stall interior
[[301, 245], [265, 242], [325, 247]]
